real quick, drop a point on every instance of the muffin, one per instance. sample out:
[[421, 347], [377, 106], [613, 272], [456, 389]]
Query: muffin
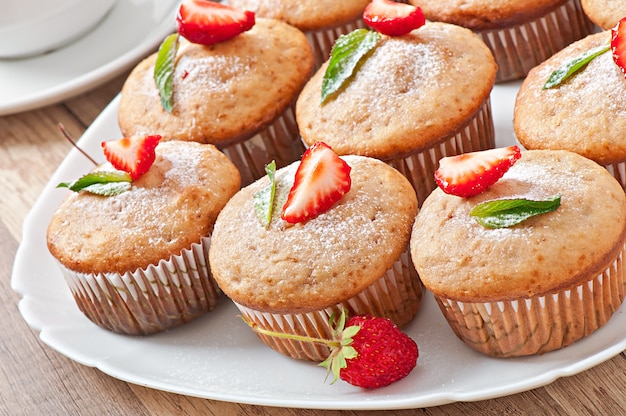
[[536, 286], [237, 94], [291, 278], [322, 21], [604, 13], [137, 262], [415, 99], [583, 115], [521, 34]]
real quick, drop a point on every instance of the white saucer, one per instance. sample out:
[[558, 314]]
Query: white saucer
[[131, 30]]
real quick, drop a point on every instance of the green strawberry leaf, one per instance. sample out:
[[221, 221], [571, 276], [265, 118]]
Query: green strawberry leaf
[[348, 51], [264, 199], [164, 70], [105, 183], [502, 213], [570, 68]]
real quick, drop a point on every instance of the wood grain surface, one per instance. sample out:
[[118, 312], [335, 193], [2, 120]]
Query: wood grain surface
[[36, 380]]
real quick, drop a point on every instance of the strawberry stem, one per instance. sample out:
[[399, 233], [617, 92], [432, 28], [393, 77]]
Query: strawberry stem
[[73, 142], [255, 327]]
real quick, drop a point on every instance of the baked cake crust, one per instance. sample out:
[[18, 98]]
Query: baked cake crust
[[413, 92], [223, 93], [306, 15], [313, 265], [459, 259], [583, 114], [172, 206]]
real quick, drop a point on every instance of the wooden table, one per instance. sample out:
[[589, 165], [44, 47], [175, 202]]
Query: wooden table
[[36, 380]]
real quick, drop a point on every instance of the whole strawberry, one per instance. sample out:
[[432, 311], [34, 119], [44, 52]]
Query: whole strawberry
[[384, 354], [368, 351]]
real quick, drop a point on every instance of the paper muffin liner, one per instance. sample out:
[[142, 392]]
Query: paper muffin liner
[[519, 48], [396, 295], [149, 300], [322, 40], [618, 170], [419, 168], [539, 324], [280, 141]]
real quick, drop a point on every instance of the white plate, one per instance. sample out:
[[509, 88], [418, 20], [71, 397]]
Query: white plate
[[131, 30], [218, 357]]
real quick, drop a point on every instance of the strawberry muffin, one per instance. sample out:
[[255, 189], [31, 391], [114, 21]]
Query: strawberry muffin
[[338, 239], [134, 247], [411, 99], [322, 21], [604, 13], [521, 34], [531, 263], [583, 113], [236, 93]]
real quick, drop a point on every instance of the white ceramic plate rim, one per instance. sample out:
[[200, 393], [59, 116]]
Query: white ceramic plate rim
[[218, 357], [119, 41]]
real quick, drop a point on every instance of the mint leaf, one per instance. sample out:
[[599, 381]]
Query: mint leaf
[[502, 213], [573, 66], [346, 54], [264, 199], [164, 70], [105, 183]]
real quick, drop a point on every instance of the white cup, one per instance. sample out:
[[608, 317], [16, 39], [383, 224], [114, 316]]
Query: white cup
[[33, 27]]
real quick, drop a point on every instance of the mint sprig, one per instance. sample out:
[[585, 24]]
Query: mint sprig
[[164, 70], [104, 183], [570, 68], [502, 213], [348, 51], [264, 199]]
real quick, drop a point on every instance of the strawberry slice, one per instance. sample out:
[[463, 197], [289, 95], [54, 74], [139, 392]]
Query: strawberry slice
[[618, 44], [321, 179], [392, 18], [469, 174], [207, 22], [134, 155]]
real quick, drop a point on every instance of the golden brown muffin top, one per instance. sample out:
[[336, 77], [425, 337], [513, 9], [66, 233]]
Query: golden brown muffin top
[[585, 114], [308, 266], [458, 258], [412, 92], [225, 92], [306, 15], [486, 14], [166, 210], [604, 13]]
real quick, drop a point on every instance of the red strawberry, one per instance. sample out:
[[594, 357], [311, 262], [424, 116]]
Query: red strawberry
[[208, 22], [134, 154], [385, 354], [367, 352], [469, 174], [321, 180], [392, 18], [618, 44]]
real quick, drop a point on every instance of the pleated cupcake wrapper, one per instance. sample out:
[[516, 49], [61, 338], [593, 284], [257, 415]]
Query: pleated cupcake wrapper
[[323, 40], [518, 49], [419, 168], [618, 170], [397, 295], [541, 323], [279, 141], [148, 300]]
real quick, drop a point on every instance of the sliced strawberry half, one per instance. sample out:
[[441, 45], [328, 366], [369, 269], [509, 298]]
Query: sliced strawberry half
[[134, 154], [321, 179], [392, 18], [618, 44], [469, 174], [207, 22]]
